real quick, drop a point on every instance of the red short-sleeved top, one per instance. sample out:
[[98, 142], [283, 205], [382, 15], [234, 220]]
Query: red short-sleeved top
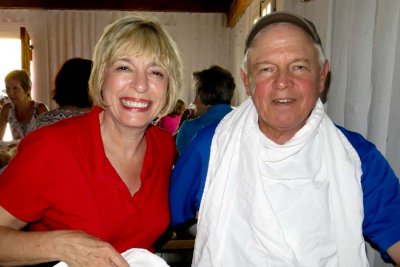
[[61, 178]]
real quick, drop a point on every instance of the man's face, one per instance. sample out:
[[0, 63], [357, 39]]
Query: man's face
[[284, 79]]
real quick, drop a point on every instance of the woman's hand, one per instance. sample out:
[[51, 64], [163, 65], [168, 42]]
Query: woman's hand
[[77, 248]]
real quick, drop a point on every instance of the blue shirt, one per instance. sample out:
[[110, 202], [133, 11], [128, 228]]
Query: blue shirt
[[381, 189], [189, 128]]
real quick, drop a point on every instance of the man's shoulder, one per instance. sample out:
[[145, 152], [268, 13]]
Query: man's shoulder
[[206, 133], [359, 142], [201, 142]]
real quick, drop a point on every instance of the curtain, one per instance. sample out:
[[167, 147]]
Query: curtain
[[362, 41], [57, 35]]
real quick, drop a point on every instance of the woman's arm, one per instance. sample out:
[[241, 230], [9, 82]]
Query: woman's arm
[[76, 248], [4, 119]]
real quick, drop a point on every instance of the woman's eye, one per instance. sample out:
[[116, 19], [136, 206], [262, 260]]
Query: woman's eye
[[157, 73], [122, 68]]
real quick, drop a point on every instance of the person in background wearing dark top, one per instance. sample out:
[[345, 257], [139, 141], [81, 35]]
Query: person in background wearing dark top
[[71, 91], [93, 186], [276, 182], [21, 112], [172, 120], [214, 91]]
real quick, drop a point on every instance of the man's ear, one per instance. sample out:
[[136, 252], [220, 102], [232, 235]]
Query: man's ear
[[324, 77], [245, 81]]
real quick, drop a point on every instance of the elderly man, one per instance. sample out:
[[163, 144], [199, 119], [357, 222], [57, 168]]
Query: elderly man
[[282, 185]]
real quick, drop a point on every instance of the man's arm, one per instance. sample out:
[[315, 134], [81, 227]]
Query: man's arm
[[394, 252], [189, 175], [381, 193]]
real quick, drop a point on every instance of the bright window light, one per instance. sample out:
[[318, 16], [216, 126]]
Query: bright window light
[[10, 54], [266, 10]]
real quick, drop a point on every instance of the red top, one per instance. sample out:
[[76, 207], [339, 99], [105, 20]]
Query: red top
[[61, 178]]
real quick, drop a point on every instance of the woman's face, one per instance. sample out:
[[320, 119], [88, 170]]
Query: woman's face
[[134, 91], [15, 91]]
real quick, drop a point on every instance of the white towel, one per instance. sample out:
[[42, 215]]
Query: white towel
[[270, 205], [136, 257]]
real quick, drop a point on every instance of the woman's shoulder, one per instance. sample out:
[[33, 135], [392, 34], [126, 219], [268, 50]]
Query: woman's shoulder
[[40, 107], [161, 136]]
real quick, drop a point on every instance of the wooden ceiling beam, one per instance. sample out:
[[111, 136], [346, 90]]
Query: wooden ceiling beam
[[206, 6], [236, 10]]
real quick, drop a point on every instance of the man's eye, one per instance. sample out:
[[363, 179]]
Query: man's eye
[[266, 69], [299, 67]]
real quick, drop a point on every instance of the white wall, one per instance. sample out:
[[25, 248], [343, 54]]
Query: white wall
[[203, 40]]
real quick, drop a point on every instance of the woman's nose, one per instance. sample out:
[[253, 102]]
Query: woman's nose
[[139, 82]]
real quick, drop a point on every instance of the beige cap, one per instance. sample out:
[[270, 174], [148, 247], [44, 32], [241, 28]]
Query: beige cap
[[277, 17]]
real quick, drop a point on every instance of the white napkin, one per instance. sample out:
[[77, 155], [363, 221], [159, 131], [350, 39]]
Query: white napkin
[[136, 257]]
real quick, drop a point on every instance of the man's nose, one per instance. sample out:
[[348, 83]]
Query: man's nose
[[282, 80]]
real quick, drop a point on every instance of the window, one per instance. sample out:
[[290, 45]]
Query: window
[[10, 53], [266, 7]]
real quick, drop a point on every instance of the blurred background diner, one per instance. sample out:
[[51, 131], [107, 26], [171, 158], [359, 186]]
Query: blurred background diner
[[21, 111], [171, 121], [214, 89], [71, 91]]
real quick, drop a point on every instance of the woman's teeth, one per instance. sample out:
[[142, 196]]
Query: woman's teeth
[[135, 104]]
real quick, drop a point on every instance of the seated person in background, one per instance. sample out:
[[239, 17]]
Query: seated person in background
[[21, 112], [93, 186], [71, 91], [188, 113], [172, 120], [214, 91], [276, 182]]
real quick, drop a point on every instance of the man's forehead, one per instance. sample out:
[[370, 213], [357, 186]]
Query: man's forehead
[[280, 33], [279, 17]]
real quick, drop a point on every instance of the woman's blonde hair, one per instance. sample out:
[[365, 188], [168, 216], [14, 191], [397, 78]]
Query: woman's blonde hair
[[179, 108], [23, 77], [138, 36]]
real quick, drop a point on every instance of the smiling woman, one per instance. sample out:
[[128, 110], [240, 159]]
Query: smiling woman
[[109, 167]]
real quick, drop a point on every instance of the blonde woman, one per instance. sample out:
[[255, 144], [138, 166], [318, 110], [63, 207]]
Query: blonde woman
[[98, 185]]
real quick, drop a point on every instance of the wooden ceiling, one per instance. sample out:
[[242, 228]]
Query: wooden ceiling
[[232, 8]]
